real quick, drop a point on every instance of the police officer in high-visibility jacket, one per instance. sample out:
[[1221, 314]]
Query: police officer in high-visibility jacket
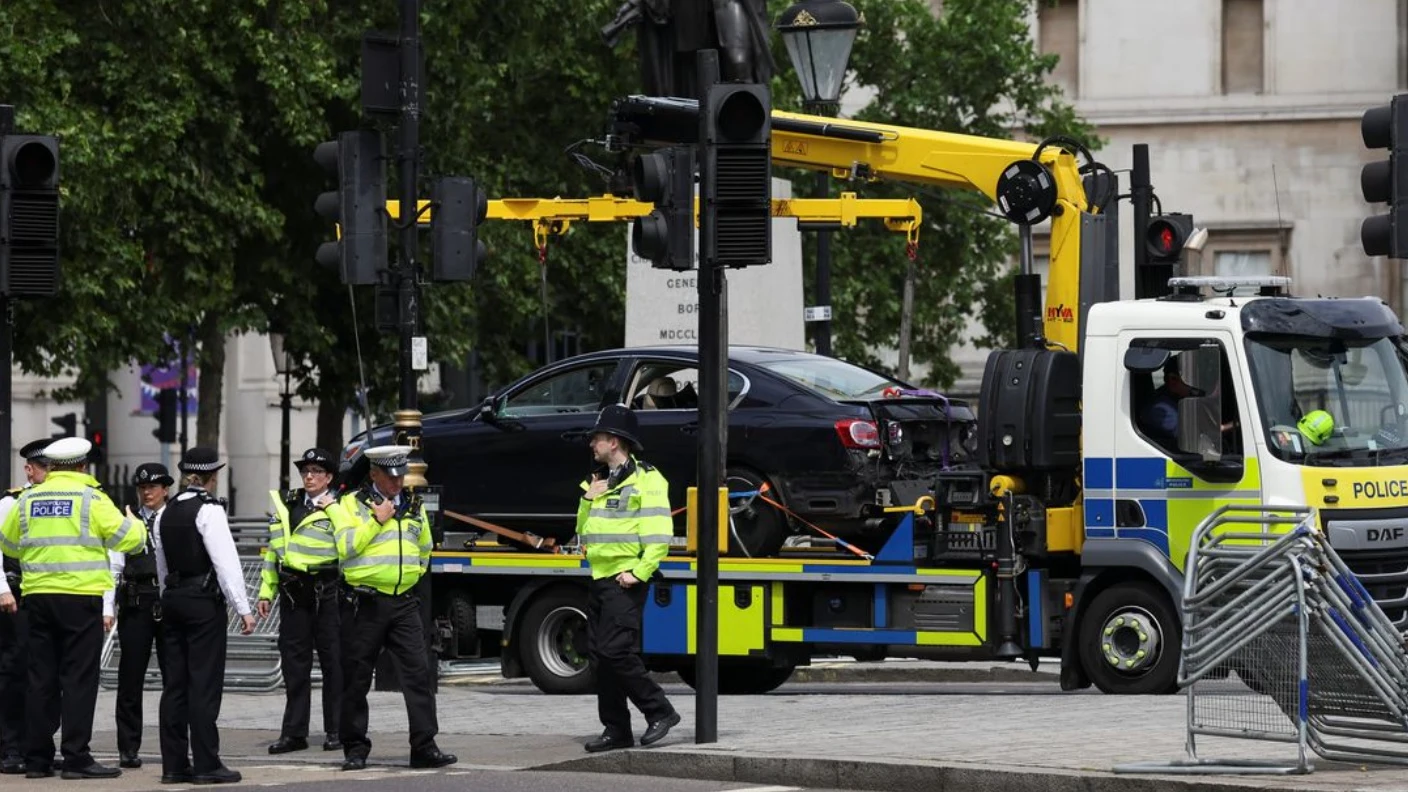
[[383, 544], [623, 522], [61, 531], [135, 609], [300, 565], [14, 627]]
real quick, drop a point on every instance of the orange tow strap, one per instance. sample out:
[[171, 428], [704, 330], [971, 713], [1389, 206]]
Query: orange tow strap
[[531, 539], [838, 540]]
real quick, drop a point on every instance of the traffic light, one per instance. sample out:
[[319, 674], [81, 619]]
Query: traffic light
[[96, 437], [357, 206], [1166, 235], [29, 215], [735, 179], [1386, 181], [166, 400], [458, 206], [68, 422], [665, 178]]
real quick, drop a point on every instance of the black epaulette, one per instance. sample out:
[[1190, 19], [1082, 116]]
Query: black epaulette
[[644, 467], [206, 497], [293, 496], [15, 492]]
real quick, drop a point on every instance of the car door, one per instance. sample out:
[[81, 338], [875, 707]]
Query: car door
[[664, 392], [532, 451]]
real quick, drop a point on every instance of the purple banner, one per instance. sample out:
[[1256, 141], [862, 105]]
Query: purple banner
[[155, 377]]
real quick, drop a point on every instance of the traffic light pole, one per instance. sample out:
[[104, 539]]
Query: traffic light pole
[[1141, 191], [7, 331], [713, 377], [407, 272]]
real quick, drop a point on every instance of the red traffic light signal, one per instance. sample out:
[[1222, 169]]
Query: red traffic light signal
[[1166, 235]]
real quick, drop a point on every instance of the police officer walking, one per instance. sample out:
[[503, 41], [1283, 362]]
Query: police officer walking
[[300, 563], [58, 531], [200, 572], [14, 630], [136, 609], [624, 524], [383, 542]]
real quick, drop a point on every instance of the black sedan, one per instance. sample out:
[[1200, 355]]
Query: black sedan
[[823, 438]]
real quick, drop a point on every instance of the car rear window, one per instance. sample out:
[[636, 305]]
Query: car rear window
[[834, 378]]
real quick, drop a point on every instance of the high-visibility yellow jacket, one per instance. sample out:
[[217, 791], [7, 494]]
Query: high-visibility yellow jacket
[[628, 528], [389, 557], [305, 547], [61, 531]]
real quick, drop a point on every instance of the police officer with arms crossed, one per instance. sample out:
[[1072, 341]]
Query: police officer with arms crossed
[[200, 572], [300, 563], [136, 609], [383, 542], [623, 522], [61, 531], [14, 630]]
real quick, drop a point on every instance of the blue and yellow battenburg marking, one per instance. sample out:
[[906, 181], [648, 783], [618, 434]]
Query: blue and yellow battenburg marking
[[752, 599], [1171, 501]]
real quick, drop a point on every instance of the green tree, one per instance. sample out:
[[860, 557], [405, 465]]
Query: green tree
[[972, 69]]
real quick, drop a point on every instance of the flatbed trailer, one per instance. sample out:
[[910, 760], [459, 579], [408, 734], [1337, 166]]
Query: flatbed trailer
[[775, 614]]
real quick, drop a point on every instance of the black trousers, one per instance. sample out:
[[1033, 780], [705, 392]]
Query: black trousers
[[138, 631], [310, 619], [613, 637], [14, 680], [65, 652], [371, 622], [193, 630]]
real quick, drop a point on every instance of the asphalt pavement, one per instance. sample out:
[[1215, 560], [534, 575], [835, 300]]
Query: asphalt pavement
[[1011, 730]]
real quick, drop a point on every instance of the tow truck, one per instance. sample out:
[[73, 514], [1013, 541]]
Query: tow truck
[[1064, 535]]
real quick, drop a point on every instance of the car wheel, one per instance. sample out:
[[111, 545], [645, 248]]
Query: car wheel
[[757, 529], [743, 680], [552, 640], [1130, 640]]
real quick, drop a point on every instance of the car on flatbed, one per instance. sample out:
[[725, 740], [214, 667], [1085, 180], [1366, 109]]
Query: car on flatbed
[[812, 441]]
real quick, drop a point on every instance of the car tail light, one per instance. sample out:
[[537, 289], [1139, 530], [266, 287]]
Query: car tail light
[[858, 433]]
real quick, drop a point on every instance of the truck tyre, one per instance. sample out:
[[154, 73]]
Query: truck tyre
[[552, 642], [1130, 640], [465, 624], [757, 529], [744, 680]]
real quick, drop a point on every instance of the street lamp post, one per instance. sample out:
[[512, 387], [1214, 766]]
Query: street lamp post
[[283, 366], [819, 35]]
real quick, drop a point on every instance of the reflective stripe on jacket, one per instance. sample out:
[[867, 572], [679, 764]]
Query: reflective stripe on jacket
[[389, 557], [61, 531], [629, 527], [308, 546]]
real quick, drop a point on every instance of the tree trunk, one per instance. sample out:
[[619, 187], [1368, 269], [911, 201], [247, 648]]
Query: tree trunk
[[906, 321], [330, 415], [210, 397]]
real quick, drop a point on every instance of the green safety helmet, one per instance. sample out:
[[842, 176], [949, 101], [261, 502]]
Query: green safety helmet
[[1316, 426]]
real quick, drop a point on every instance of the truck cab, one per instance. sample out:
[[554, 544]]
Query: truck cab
[[1201, 399]]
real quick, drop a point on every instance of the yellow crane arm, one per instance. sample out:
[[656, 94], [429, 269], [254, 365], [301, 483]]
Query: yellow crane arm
[[554, 216]]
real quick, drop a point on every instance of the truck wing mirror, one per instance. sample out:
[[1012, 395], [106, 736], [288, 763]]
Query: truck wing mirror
[[1145, 360]]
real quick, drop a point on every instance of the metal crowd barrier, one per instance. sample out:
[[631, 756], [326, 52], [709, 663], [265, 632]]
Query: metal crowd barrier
[[252, 662], [1267, 597]]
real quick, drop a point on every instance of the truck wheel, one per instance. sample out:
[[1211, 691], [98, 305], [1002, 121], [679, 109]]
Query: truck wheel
[[1130, 640], [756, 528], [464, 623], [552, 641], [744, 680]]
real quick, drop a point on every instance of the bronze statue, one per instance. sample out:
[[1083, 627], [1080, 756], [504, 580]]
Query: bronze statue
[[669, 32]]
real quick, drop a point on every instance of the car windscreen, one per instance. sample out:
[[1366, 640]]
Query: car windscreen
[[834, 378]]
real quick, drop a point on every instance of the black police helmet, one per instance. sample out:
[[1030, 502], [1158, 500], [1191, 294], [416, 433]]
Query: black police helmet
[[619, 420]]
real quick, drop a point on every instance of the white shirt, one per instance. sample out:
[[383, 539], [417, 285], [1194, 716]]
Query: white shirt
[[118, 561], [214, 530], [6, 504]]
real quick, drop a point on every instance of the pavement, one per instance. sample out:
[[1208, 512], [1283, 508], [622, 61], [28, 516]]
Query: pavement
[[886, 726]]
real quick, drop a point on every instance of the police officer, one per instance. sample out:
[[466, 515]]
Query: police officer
[[136, 608], [52, 531], [200, 572], [623, 522], [300, 563], [383, 543], [14, 632]]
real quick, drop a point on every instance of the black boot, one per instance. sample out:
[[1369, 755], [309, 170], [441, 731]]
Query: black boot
[[610, 742]]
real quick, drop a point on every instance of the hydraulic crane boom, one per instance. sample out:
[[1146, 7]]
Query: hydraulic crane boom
[[859, 149]]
